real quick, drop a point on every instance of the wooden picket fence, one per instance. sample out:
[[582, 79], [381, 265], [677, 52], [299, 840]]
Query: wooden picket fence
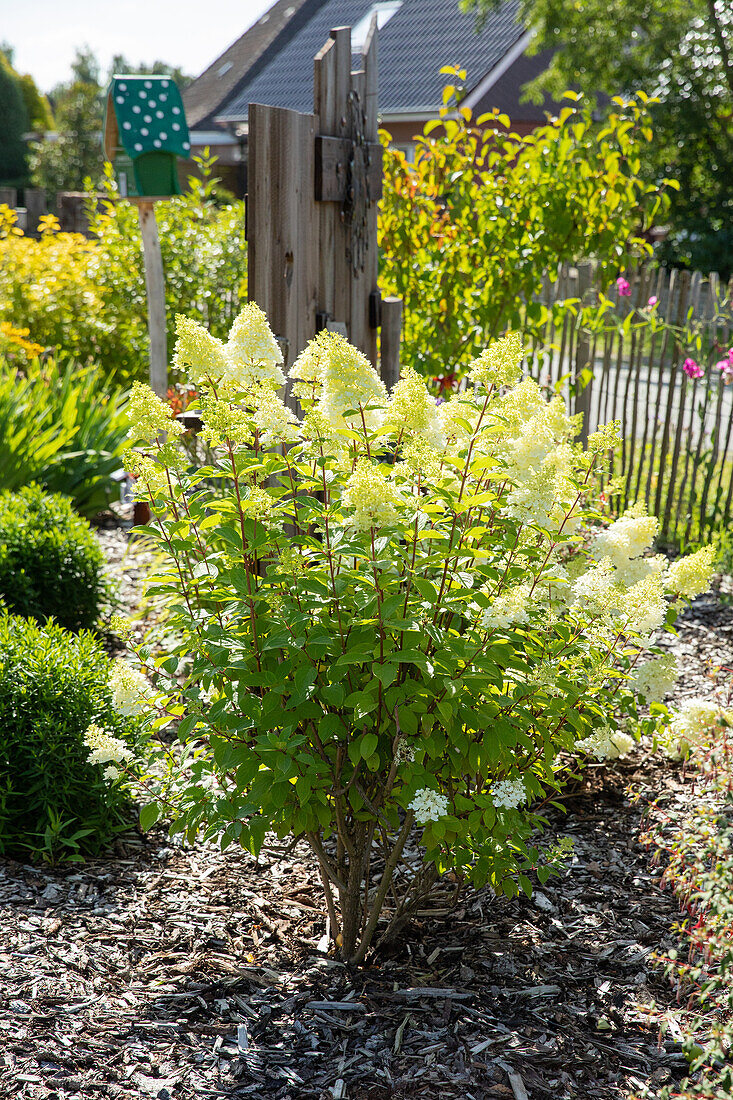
[[677, 453]]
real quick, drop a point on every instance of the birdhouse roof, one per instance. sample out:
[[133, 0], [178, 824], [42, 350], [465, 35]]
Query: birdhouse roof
[[145, 115]]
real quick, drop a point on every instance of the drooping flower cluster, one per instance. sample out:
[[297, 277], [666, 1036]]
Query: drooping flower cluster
[[690, 576], [697, 717], [692, 368], [105, 749], [696, 721], [656, 678], [428, 805], [606, 744], [507, 794], [626, 539], [130, 689]]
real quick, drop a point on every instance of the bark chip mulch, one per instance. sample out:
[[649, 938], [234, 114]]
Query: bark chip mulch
[[179, 973]]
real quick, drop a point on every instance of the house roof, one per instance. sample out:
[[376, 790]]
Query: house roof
[[506, 91], [204, 96], [418, 39]]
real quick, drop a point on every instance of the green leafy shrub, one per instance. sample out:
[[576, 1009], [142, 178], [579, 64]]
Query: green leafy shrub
[[87, 296], [394, 614], [51, 565], [471, 232], [63, 426], [53, 802]]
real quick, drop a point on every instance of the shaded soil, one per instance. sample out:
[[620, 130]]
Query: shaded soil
[[172, 972]]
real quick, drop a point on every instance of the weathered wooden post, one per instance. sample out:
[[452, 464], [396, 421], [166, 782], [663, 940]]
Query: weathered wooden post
[[314, 184], [583, 353], [155, 289], [144, 133]]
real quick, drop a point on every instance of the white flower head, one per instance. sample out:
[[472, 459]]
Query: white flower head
[[428, 805], [351, 386], [508, 794], [130, 689], [510, 608], [198, 354], [374, 498], [656, 678], [105, 748], [606, 744], [251, 352], [625, 539], [692, 575]]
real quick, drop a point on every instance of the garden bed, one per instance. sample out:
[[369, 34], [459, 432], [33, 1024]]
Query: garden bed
[[173, 972]]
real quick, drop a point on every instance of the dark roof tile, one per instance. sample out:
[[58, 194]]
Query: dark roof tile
[[204, 96], [420, 38]]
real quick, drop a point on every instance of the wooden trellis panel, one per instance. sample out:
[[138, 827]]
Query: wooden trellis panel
[[314, 184]]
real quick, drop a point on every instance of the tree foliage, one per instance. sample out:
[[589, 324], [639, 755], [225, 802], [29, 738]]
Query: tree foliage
[[470, 230], [13, 124], [681, 53]]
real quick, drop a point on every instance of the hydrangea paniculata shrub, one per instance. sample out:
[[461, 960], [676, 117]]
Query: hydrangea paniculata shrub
[[389, 613]]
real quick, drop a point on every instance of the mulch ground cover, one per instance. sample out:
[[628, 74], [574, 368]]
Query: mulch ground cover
[[182, 972]]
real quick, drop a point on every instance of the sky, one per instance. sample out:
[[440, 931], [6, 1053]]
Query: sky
[[188, 33]]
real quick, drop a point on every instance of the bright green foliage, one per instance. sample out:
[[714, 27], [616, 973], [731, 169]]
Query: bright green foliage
[[469, 231], [88, 298], [395, 617], [62, 426], [50, 560], [54, 804], [680, 52]]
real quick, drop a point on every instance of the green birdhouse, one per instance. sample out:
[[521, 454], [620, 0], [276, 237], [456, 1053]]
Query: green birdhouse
[[145, 130]]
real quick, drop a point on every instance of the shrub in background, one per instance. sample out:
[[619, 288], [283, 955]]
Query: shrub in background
[[51, 564], [471, 230], [63, 426], [87, 296], [54, 802], [393, 613]]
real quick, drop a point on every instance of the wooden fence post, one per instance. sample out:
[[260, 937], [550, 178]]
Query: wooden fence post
[[583, 358], [389, 350], [155, 286]]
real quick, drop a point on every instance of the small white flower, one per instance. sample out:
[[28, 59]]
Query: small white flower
[[429, 805], [508, 794]]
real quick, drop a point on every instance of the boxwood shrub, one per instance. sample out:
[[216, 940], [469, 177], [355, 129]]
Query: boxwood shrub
[[53, 685], [51, 565]]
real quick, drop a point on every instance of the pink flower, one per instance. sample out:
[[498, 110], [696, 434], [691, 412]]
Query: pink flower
[[623, 287], [652, 301], [726, 365], [691, 369]]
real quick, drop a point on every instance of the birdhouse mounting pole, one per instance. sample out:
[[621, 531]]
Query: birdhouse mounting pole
[[155, 286]]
